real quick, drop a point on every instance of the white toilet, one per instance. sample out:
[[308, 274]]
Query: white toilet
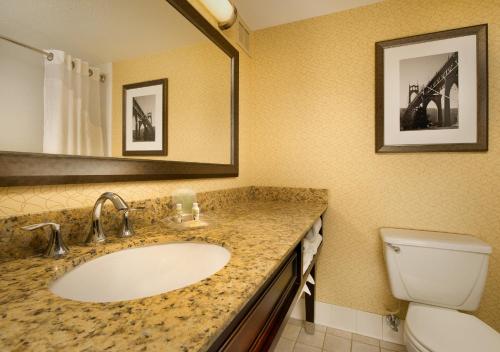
[[440, 273]]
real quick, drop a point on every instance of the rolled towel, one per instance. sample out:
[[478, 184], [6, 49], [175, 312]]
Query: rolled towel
[[306, 261], [317, 226], [310, 248], [310, 234], [315, 244], [306, 289], [308, 244], [308, 258]]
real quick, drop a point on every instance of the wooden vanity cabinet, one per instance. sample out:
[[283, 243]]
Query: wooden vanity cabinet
[[261, 320], [255, 327]]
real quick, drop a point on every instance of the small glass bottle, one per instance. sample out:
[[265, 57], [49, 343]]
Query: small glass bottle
[[178, 213], [196, 212]]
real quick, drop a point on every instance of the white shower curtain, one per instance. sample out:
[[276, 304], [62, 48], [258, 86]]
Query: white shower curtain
[[73, 121]]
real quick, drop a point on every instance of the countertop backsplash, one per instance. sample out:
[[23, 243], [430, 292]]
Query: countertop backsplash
[[16, 243]]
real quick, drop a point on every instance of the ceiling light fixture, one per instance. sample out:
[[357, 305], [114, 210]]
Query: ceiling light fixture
[[224, 12]]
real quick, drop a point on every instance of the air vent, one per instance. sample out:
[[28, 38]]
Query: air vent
[[243, 36]]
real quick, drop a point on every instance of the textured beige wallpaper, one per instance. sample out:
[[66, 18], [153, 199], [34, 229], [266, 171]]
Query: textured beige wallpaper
[[199, 107], [314, 126]]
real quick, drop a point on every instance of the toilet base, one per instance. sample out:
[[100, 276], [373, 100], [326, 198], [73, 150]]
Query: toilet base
[[412, 345]]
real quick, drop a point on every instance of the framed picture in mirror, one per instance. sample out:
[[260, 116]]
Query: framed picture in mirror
[[432, 92], [145, 121]]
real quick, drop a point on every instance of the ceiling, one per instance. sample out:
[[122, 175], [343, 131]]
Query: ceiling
[[97, 31], [259, 14], [106, 31]]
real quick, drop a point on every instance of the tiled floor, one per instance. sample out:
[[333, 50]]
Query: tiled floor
[[295, 339]]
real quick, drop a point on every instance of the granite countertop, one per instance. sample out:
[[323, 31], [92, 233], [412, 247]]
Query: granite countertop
[[259, 235]]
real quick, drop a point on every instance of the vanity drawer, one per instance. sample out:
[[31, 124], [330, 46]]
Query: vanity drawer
[[257, 325]]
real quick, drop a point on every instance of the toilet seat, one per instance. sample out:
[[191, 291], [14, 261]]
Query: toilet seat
[[438, 329]]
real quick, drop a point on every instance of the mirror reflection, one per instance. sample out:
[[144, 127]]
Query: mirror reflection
[[112, 78]]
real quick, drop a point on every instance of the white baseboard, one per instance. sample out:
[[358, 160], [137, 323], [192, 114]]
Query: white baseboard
[[353, 320]]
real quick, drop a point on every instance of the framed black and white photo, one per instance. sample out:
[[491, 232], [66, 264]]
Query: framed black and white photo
[[432, 92], [145, 123]]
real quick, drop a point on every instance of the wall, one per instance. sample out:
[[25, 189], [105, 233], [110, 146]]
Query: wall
[[313, 93], [23, 200], [199, 86], [21, 99]]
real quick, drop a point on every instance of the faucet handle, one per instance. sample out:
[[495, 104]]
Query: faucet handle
[[53, 226], [56, 248]]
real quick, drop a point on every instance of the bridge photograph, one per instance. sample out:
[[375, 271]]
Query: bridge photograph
[[142, 116], [145, 118], [421, 102], [429, 92]]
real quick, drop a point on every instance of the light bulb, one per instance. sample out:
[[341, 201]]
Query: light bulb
[[223, 11]]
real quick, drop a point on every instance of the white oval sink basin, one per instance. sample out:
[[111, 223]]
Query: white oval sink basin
[[141, 272]]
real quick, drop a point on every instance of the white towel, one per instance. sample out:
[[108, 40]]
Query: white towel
[[306, 289], [310, 248], [306, 261], [310, 234], [312, 245], [317, 226], [317, 241], [306, 245], [310, 279]]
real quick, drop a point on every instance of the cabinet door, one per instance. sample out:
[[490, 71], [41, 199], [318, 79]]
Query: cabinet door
[[251, 332]]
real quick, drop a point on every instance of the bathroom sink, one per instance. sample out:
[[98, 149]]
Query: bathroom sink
[[141, 272]]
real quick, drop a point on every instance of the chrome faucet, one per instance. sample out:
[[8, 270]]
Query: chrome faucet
[[56, 248], [96, 234]]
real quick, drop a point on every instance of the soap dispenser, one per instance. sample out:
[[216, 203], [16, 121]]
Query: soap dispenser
[[196, 212]]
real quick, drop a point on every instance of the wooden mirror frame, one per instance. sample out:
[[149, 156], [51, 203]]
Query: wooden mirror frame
[[20, 169]]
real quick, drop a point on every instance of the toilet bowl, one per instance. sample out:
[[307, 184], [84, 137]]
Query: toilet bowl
[[412, 344], [436, 329], [440, 274]]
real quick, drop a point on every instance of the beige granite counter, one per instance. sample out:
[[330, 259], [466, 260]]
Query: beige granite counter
[[258, 233]]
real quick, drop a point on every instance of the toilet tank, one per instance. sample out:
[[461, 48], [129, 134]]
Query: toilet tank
[[441, 269]]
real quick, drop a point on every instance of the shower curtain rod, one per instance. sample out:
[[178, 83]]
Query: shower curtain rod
[[49, 55]]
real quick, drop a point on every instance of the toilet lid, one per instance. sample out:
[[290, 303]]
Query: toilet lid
[[447, 330]]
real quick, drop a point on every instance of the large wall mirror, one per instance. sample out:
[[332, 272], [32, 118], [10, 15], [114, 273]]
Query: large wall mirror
[[99, 91]]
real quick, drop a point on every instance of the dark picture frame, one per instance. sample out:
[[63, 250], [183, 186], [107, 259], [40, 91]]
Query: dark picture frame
[[143, 129], [419, 96]]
